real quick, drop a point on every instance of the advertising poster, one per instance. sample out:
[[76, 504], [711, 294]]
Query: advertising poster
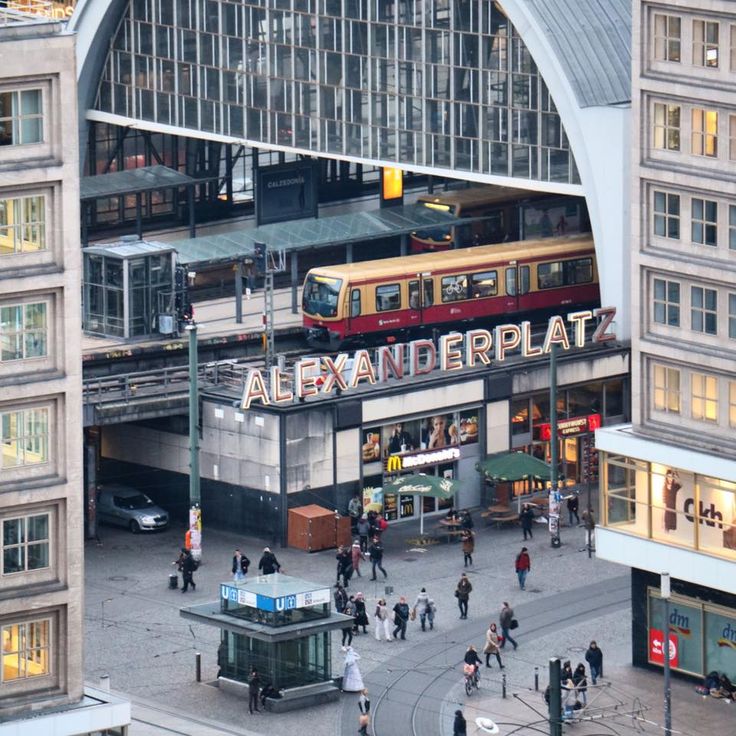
[[390, 507], [656, 646], [372, 499], [371, 449], [439, 431]]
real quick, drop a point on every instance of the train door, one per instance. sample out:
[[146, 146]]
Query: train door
[[352, 308], [517, 286], [427, 295], [415, 303]]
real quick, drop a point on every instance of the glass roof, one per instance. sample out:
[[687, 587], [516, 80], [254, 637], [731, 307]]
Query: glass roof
[[325, 231], [276, 585], [144, 179]]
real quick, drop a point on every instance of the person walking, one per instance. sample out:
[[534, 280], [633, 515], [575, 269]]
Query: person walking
[[340, 596], [380, 616], [594, 658], [347, 632], [376, 554], [462, 593], [421, 606], [188, 566], [581, 682], [572, 507], [363, 529], [357, 555], [352, 680], [431, 611], [507, 621], [491, 646], [355, 509], [364, 706], [523, 566], [361, 617], [401, 617], [268, 563], [459, 726], [526, 517], [344, 565], [468, 540], [566, 672], [240, 566], [254, 686]]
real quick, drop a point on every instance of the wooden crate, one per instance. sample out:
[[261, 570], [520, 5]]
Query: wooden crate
[[313, 528]]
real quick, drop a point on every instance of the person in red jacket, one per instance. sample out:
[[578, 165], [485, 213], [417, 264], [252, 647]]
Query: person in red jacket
[[523, 566]]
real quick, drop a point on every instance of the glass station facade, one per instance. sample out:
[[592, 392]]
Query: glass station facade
[[446, 84]]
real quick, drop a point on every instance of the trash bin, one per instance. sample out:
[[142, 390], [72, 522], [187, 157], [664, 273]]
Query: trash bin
[[555, 541], [173, 581]]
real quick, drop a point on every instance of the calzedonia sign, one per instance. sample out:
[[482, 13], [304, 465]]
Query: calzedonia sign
[[456, 350]]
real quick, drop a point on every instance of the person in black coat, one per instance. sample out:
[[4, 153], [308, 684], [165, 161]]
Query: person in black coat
[[268, 563], [594, 657], [459, 727], [376, 553], [573, 503], [344, 559], [526, 517], [254, 687], [188, 566], [240, 566], [581, 682]]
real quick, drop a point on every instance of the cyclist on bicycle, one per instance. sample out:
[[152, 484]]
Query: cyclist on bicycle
[[472, 659]]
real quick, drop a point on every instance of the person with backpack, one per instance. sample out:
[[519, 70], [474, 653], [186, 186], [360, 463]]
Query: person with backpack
[[523, 566]]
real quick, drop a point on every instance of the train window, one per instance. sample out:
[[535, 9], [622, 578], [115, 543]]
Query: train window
[[428, 293], [355, 303], [524, 280], [579, 271], [320, 295], [388, 297], [414, 295], [549, 275], [511, 281], [454, 288], [484, 284]]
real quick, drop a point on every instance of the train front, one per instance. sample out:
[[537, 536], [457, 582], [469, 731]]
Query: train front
[[324, 324]]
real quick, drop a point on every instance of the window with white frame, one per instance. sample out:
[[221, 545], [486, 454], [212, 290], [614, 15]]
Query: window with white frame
[[732, 316], [704, 221], [704, 397], [667, 37], [704, 310], [24, 437], [667, 215], [666, 389], [666, 126], [26, 650], [732, 136], [705, 43], [22, 225], [732, 226], [704, 132], [732, 403], [21, 117], [667, 302], [23, 331], [25, 543]]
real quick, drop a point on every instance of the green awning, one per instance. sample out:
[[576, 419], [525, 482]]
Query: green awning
[[512, 466]]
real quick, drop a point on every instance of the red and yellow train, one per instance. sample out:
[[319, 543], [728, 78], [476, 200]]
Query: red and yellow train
[[393, 297]]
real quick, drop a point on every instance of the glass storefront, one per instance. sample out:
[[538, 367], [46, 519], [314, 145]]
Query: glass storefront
[[669, 504]]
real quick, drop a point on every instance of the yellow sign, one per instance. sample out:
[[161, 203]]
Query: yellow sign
[[393, 183], [393, 464]]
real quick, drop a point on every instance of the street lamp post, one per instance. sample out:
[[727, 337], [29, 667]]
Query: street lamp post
[[665, 592], [195, 513]]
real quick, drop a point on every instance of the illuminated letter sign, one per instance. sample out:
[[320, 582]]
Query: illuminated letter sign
[[393, 464]]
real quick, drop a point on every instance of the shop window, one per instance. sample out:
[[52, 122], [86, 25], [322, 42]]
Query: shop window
[[21, 117], [666, 389], [454, 288], [704, 133], [666, 127], [25, 437], [484, 284], [23, 331], [704, 310], [26, 650], [388, 297], [667, 302], [685, 626], [667, 37], [22, 225], [705, 43], [25, 544], [720, 641], [716, 516], [614, 400], [704, 221], [520, 417], [583, 400], [704, 397], [673, 499], [667, 215]]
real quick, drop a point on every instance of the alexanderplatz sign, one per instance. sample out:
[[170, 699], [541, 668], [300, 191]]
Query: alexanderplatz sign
[[457, 350]]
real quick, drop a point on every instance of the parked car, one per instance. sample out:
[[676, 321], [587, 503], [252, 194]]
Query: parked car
[[123, 506]]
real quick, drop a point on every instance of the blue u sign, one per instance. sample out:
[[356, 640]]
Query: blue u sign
[[286, 603]]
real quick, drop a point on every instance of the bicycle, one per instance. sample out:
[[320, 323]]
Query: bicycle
[[472, 679]]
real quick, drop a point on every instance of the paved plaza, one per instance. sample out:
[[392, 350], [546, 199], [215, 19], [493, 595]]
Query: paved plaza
[[135, 635]]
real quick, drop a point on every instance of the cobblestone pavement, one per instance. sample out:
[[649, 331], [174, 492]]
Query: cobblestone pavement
[[134, 633]]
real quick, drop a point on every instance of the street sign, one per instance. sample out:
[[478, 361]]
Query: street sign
[[656, 645]]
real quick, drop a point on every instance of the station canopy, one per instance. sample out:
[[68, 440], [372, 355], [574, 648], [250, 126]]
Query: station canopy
[[133, 181], [297, 235]]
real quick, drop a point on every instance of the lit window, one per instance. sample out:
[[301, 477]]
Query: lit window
[[667, 389], [23, 331], [705, 43], [732, 403], [704, 221], [25, 437], [22, 225], [667, 215], [732, 226], [732, 316], [21, 117], [703, 310], [732, 136], [667, 302], [666, 126], [25, 544], [705, 132], [667, 35], [26, 650], [704, 397]]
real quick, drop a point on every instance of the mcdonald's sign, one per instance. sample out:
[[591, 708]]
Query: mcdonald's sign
[[410, 460], [394, 464]]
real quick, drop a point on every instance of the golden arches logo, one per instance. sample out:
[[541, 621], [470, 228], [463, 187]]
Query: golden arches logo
[[393, 464]]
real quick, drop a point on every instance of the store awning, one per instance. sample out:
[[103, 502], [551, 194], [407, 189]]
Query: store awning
[[323, 232], [512, 466], [133, 181]]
